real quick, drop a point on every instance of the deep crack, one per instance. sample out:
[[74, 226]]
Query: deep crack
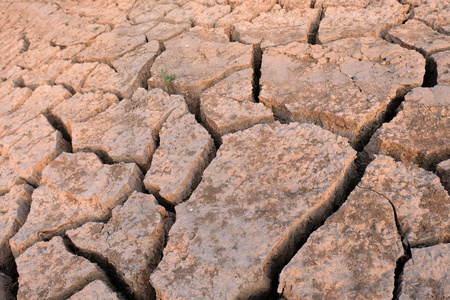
[[110, 271], [431, 74], [299, 234], [315, 24], [257, 60]]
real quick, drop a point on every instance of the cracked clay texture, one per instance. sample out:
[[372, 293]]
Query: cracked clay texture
[[224, 149]]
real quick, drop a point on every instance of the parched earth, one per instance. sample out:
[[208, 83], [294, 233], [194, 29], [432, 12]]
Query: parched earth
[[225, 149]]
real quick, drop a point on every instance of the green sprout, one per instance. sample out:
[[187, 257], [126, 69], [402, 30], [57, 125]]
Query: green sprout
[[435, 10], [167, 78], [96, 27]]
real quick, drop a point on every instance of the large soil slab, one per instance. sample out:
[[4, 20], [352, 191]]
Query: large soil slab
[[59, 272], [419, 133], [185, 150], [196, 60], [435, 14], [14, 208], [348, 21], [229, 105], [197, 14], [97, 290], [43, 99], [426, 275], [243, 11], [345, 86], [75, 189], [24, 154], [127, 131], [277, 27], [442, 60], [354, 253], [256, 200], [421, 203], [417, 35], [132, 240], [11, 98], [74, 78], [111, 45], [443, 171], [125, 74], [80, 108]]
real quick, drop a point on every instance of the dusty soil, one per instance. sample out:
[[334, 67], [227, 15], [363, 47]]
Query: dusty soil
[[225, 149]]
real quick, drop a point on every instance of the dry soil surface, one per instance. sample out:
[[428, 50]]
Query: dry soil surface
[[224, 149]]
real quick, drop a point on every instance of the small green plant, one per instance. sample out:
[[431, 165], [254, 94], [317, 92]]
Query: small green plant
[[435, 10], [167, 78], [96, 27]]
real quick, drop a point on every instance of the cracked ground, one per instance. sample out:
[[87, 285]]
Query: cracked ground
[[225, 149]]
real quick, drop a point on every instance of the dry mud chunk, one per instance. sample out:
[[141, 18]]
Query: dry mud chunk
[[75, 189], [417, 35], [8, 173], [81, 107], [353, 254], [127, 130], [70, 52], [197, 14], [38, 54], [244, 11], [434, 13], [254, 196], [41, 101], [46, 74], [426, 275], [443, 171], [32, 147], [344, 86], [12, 73], [11, 47], [445, 29], [277, 27], [6, 285], [111, 45], [426, 97], [130, 72], [419, 134], [442, 60], [60, 273], [106, 79], [72, 29], [165, 31], [140, 58], [421, 202], [75, 77], [12, 98], [228, 106], [184, 151], [146, 11], [105, 11], [342, 22], [14, 208], [196, 60], [293, 4], [97, 290], [132, 240], [350, 3], [44, 98]]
